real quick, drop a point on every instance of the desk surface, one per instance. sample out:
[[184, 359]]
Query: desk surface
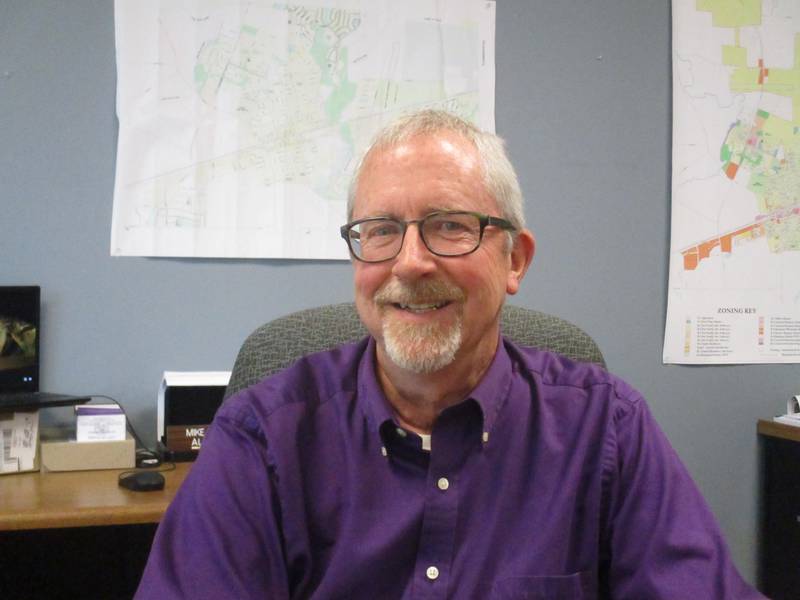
[[778, 430], [80, 499]]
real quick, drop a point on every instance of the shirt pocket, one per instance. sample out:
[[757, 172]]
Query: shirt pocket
[[577, 586]]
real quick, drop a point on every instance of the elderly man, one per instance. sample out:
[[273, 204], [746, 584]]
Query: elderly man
[[436, 459]]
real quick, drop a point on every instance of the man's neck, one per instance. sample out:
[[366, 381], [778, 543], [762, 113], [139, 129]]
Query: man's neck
[[418, 399]]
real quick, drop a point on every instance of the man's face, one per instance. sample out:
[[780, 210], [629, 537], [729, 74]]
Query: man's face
[[425, 311]]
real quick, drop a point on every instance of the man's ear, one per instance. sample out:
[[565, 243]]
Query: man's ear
[[521, 256]]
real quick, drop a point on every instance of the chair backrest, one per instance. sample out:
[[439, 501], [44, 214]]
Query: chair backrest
[[278, 343]]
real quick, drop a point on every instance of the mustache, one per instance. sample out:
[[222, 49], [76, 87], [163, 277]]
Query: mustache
[[420, 292]]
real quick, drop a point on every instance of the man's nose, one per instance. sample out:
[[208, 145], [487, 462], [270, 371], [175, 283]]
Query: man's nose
[[414, 259]]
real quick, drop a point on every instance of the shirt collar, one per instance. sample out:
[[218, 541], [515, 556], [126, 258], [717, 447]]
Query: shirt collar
[[492, 390], [371, 398], [490, 394]]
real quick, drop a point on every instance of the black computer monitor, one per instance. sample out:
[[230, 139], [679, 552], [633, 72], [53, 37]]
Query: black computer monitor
[[19, 338]]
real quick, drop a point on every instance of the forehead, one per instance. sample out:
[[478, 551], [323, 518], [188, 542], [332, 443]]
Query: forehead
[[426, 172]]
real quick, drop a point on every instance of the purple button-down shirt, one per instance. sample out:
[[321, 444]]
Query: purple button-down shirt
[[550, 480]]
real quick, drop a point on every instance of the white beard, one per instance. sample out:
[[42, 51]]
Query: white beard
[[420, 348]]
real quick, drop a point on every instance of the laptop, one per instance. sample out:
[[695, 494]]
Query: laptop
[[20, 337]]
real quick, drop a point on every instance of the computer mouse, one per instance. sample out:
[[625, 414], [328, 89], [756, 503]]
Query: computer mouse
[[143, 481]]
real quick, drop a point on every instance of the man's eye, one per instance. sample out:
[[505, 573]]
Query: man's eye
[[379, 231], [448, 227], [452, 226]]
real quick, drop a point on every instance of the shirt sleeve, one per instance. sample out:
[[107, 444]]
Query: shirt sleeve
[[663, 540], [220, 537]]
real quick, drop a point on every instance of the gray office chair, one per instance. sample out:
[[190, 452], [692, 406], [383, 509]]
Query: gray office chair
[[280, 342]]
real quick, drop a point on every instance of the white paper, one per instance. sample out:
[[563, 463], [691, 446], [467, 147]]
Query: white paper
[[7, 464], [107, 425], [25, 438], [787, 420], [240, 123], [734, 280], [19, 435]]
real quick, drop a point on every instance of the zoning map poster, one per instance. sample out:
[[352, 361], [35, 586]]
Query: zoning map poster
[[241, 121], [734, 275]]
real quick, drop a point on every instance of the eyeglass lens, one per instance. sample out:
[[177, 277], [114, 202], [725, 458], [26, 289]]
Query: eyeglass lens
[[447, 234]]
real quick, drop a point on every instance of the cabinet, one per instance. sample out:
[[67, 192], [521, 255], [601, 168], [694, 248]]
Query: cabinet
[[779, 560], [77, 534]]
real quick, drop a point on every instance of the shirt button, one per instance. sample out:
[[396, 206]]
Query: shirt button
[[401, 432], [443, 484], [432, 573]]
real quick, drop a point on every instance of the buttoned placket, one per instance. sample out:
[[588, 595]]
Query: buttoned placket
[[463, 433], [454, 439], [434, 565]]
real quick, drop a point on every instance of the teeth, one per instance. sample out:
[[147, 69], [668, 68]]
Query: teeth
[[420, 307]]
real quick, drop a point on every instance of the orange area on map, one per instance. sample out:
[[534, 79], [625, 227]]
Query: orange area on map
[[692, 256], [762, 72]]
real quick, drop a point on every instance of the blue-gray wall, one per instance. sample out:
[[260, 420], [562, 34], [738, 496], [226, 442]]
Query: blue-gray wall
[[583, 98]]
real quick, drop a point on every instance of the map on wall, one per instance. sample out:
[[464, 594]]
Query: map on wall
[[241, 122], [734, 281]]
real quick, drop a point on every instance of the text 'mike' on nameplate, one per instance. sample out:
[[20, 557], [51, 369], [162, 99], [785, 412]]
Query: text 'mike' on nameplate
[[187, 402]]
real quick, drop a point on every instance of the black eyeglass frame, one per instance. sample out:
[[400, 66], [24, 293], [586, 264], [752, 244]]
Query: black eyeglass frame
[[484, 220]]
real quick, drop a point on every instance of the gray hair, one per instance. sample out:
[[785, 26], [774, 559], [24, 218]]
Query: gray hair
[[499, 176]]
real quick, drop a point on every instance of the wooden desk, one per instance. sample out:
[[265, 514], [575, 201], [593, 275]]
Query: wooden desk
[[779, 430], [81, 499], [77, 534]]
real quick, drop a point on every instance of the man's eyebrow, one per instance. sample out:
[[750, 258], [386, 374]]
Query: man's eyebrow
[[446, 209], [429, 210], [378, 215]]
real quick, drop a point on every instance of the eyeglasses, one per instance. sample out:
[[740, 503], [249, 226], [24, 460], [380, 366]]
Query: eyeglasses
[[445, 233]]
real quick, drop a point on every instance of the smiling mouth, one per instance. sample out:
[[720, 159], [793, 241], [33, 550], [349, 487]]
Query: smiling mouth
[[418, 298], [421, 308]]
